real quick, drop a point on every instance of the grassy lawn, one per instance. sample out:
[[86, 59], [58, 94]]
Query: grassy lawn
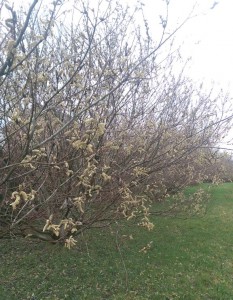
[[187, 259]]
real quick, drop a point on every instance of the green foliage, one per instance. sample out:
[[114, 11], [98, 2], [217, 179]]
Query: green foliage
[[187, 259]]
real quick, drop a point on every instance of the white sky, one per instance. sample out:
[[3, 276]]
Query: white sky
[[207, 39]]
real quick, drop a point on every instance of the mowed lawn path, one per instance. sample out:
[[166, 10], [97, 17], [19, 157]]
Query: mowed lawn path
[[182, 259]]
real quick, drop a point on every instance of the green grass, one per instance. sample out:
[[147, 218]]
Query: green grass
[[188, 259]]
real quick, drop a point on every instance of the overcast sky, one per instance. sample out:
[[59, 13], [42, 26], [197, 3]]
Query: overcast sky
[[207, 38]]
